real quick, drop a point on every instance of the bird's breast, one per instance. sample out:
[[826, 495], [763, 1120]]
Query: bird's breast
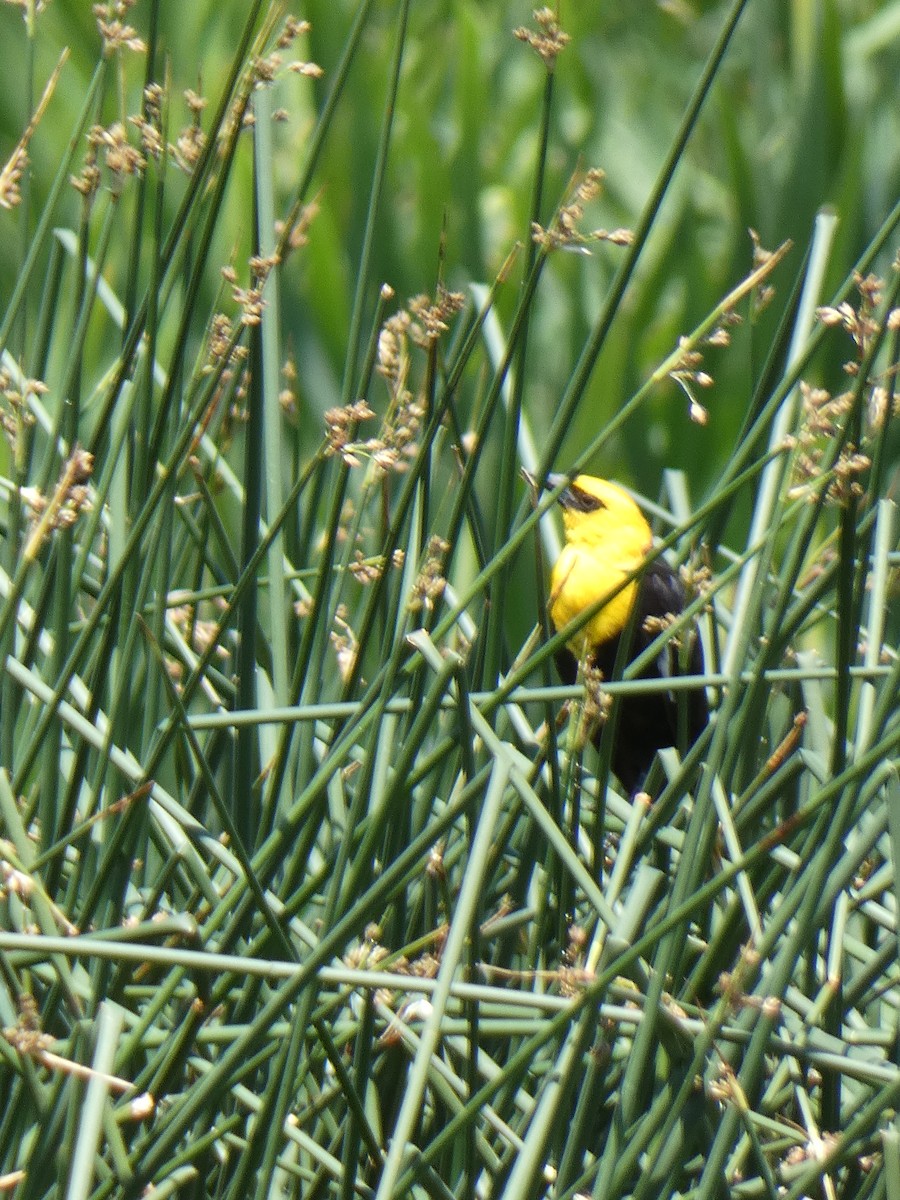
[[578, 581]]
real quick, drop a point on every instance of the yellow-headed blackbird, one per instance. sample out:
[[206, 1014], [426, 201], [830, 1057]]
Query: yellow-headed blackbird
[[607, 538]]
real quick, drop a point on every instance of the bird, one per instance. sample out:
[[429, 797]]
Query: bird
[[606, 539]]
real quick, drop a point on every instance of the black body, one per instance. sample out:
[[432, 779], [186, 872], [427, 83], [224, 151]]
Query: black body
[[644, 724]]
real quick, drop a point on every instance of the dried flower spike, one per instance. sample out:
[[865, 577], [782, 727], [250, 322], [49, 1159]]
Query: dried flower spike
[[548, 40]]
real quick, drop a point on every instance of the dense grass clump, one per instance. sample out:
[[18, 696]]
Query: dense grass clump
[[314, 883]]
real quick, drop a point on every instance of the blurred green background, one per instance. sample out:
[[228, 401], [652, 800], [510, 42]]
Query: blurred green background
[[805, 114]]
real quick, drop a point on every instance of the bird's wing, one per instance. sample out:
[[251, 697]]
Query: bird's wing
[[662, 593]]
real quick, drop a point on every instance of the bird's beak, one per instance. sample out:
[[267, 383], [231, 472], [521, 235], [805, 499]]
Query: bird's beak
[[564, 499], [551, 483]]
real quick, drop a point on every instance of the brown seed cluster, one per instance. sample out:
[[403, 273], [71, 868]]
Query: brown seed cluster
[[655, 625], [341, 424], [17, 163], [366, 570], [122, 159], [688, 370], [431, 318], [26, 1036], [191, 141], [111, 147], [689, 375], [764, 294], [219, 342], [249, 299], [346, 647], [199, 633], [367, 954], [297, 234], [59, 511], [865, 322], [266, 69], [824, 416], [149, 122], [227, 356], [419, 325], [226, 360], [292, 29], [371, 954], [576, 944], [287, 397], [430, 582], [15, 414], [685, 366], [697, 578], [597, 703], [116, 34], [11, 176], [565, 232], [548, 40], [120, 156]]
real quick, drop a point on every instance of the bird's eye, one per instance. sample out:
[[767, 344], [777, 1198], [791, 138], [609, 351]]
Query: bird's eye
[[580, 500]]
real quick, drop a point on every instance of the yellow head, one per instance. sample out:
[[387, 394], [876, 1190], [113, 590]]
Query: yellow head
[[607, 538], [600, 515]]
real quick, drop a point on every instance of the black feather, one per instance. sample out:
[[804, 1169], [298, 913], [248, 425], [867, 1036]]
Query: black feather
[[647, 723]]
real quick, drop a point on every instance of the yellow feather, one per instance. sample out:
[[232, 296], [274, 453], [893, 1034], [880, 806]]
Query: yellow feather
[[603, 546]]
